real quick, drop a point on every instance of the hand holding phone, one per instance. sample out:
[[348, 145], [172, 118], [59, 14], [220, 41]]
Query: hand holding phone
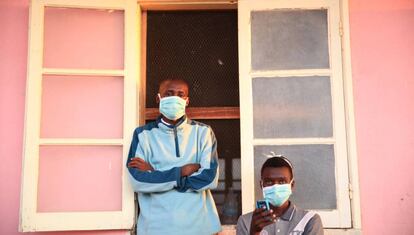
[[263, 204], [262, 216]]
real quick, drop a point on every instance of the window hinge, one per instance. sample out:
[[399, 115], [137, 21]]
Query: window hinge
[[341, 29], [351, 191]]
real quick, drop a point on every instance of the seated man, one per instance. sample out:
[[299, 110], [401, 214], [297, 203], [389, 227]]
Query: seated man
[[282, 216]]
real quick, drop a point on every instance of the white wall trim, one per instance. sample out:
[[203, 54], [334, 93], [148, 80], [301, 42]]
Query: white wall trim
[[350, 117]]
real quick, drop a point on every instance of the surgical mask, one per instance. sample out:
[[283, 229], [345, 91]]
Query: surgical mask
[[277, 194], [172, 107]]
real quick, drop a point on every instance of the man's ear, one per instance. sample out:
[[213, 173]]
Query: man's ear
[[293, 184], [157, 98], [261, 184], [188, 101]]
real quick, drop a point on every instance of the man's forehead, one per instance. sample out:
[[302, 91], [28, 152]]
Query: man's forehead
[[275, 172], [173, 84]]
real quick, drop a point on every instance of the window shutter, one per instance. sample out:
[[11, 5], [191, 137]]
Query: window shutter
[[80, 113], [293, 102]]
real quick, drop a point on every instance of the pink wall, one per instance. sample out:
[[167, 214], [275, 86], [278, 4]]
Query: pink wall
[[13, 60], [382, 44], [382, 47], [13, 53]]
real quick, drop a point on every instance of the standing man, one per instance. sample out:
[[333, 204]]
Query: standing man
[[282, 216], [173, 164]]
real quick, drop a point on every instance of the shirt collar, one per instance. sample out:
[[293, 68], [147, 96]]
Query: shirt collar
[[180, 122], [288, 215]]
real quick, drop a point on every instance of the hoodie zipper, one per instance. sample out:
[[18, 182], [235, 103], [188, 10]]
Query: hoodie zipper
[[177, 148]]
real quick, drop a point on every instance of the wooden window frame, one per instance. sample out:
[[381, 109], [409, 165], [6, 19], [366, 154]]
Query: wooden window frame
[[175, 5], [191, 112]]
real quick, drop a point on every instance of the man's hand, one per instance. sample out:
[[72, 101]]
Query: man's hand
[[189, 169], [140, 164], [260, 219]]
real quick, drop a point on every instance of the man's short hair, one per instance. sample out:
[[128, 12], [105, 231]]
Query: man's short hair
[[173, 80], [278, 161]]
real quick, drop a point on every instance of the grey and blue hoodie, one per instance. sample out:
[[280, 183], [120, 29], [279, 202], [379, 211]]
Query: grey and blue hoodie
[[169, 203]]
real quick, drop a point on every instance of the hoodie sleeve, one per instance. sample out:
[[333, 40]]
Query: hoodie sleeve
[[207, 176], [150, 181]]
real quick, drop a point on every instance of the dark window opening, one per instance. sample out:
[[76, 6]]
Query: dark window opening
[[201, 47]]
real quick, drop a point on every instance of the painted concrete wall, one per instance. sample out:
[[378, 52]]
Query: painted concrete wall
[[382, 50], [382, 46], [13, 53], [13, 61]]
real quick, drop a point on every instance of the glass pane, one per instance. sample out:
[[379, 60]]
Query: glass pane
[[236, 171], [292, 107], [314, 173], [80, 178], [237, 185], [289, 39], [83, 38], [221, 186], [222, 168], [82, 107], [227, 195]]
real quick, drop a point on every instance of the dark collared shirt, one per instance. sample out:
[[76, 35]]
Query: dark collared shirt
[[287, 224]]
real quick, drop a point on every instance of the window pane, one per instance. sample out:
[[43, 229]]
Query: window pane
[[222, 175], [289, 39], [80, 178], [314, 173], [292, 107], [82, 107], [236, 169], [228, 193], [83, 38]]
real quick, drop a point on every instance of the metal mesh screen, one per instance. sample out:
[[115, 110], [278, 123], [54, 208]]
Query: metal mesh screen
[[198, 46]]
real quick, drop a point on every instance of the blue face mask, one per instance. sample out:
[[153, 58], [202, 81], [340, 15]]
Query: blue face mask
[[172, 107], [277, 194]]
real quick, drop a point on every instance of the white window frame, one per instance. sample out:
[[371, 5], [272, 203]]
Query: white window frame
[[341, 88], [30, 219]]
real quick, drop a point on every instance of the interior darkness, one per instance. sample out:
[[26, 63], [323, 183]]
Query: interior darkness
[[201, 47]]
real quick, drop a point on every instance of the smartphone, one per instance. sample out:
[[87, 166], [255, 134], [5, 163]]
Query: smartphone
[[263, 203]]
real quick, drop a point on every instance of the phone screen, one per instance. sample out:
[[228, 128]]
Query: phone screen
[[263, 203]]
